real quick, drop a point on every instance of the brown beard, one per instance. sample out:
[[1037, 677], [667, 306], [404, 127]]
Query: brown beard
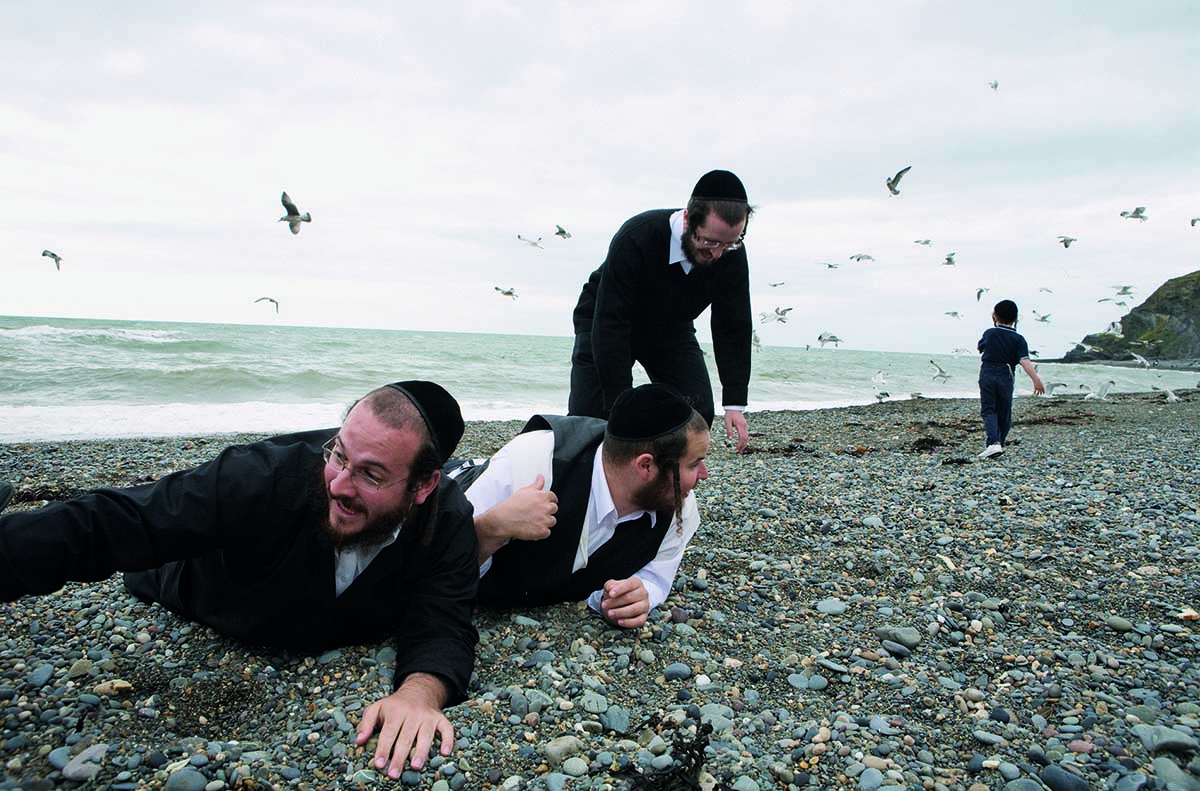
[[657, 495], [690, 251], [377, 530]]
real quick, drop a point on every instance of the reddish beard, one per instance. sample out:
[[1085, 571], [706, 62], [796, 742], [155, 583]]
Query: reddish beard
[[692, 253], [377, 528]]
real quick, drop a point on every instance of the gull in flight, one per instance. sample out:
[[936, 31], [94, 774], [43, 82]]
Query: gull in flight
[[1066, 240], [293, 217], [755, 341], [777, 283], [1171, 397], [562, 232], [882, 395], [979, 292], [1140, 360], [860, 257], [949, 259], [954, 314], [1047, 290], [893, 184], [925, 242], [1052, 386], [272, 300], [1041, 317], [828, 265], [828, 337], [780, 315], [1101, 394], [939, 373], [1139, 213], [1123, 291], [55, 257], [1114, 328], [532, 242], [1194, 221], [995, 85], [880, 378], [506, 292]]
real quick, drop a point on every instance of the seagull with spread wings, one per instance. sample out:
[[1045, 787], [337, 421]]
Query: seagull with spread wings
[[923, 242], [994, 85], [780, 315], [893, 184], [532, 242], [1041, 317], [828, 337], [949, 259], [55, 257], [562, 233], [1066, 240], [506, 292], [860, 257], [939, 373], [979, 292], [272, 300], [293, 217], [1138, 213]]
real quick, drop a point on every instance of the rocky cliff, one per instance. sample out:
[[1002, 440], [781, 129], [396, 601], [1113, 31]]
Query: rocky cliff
[[1164, 327]]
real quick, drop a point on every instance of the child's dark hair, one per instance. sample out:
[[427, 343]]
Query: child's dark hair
[[1006, 311]]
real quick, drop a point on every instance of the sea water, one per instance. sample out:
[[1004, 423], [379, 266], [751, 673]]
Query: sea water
[[82, 378]]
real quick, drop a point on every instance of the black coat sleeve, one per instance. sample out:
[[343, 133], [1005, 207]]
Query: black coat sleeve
[[732, 327]]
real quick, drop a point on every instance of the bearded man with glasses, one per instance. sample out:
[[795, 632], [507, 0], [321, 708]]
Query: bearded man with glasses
[[663, 268], [306, 541]]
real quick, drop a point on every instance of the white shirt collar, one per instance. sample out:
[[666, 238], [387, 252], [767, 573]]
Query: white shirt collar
[[677, 256], [349, 563]]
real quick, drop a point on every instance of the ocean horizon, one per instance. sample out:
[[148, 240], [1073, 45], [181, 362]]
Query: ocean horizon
[[63, 379]]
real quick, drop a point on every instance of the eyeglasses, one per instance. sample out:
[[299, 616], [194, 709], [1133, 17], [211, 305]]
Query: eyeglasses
[[712, 244], [362, 479]]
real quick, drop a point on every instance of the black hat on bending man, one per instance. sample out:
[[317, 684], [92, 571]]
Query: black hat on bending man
[[648, 412], [719, 185]]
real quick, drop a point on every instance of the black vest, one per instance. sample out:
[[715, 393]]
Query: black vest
[[535, 573]]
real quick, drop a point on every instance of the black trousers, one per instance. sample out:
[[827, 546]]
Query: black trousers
[[676, 360]]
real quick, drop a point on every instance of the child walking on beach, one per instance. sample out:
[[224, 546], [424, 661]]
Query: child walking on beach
[[1002, 349]]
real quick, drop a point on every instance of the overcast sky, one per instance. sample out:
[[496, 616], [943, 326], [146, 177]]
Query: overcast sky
[[147, 144]]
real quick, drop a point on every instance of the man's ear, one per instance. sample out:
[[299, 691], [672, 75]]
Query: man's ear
[[645, 466], [685, 220], [426, 487]]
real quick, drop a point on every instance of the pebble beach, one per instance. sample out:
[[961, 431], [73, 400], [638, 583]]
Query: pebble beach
[[866, 606]]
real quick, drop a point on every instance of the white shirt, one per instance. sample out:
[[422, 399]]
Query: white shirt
[[349, 563], [519, 462], [677, 257]]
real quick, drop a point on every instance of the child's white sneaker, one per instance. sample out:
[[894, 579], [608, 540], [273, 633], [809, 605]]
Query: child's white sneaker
[[991, 451]]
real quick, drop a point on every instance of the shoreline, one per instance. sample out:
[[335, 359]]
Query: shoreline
[[866, 605]]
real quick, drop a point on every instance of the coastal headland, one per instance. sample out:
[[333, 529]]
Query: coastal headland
[[866, 606]]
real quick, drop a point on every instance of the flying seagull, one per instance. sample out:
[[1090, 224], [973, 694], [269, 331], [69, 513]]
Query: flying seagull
[[954, 314], [1194, 221], [55, 257], [272, 300], [979, 292], [995, 85], [949, 259], [293, 217], [1101, 394], [880, 377], [939, 373], [776, 284], [1052, 386], [1040, 317], [925, 242], [780, 315], [532, 242], [1066, 240], [893, 184], [755, 341], [828, 265], [562, 232], [1123, 291], [882, 396], [1140, 360], [860, 257], [828, 337], [507, 292], [1139, 213], [1047, 290]]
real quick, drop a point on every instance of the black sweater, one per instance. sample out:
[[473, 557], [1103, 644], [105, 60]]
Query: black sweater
[[635, 298]]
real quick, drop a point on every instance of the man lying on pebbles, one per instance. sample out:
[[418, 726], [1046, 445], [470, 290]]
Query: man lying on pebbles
[[296, 542], [575, 508]]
